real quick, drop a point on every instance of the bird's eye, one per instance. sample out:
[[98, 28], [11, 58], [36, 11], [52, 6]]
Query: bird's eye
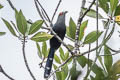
[[61, 14]]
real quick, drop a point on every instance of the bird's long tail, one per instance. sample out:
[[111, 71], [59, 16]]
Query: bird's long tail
[[49, 63]]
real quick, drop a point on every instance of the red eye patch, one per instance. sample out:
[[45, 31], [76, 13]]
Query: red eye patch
[[61, 14]]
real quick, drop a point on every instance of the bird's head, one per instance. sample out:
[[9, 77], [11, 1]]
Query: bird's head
[[63, 13], [61, 17]]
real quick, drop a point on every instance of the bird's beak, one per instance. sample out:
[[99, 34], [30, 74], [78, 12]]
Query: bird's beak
[[66, 12]]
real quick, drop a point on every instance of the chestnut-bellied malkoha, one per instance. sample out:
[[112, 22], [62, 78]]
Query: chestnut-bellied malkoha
[[60, 29]]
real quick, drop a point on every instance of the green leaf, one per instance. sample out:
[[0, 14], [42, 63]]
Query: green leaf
[[66, 55], [92, 78], [39, 50], [48, 51], [44, 49], [1, 6], [62, 54], [57, 59], [9, 27], [70, 46], [116, 68], [82, 29], [16, 14], [101, 62], [72, 28], [105, 24], [97, 70], [107, 59], [70, 61], [104, 5], [113, 5], [59, 75], [64, 72], [82, 61], [21, 22], [28, 28], [67, 31], [117, 11], [92, 37], [35, 26], [74, 73], [55, 67], [92, 13], [2, 33], [41, 36]]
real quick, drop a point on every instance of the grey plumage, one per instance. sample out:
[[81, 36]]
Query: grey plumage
[[60, 29]]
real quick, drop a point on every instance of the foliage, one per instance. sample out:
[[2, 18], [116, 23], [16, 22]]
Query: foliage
[[24, 30], [106, 70], [1, 33], [1, 6]]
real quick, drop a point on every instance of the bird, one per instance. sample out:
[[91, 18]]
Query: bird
[[60, 29]]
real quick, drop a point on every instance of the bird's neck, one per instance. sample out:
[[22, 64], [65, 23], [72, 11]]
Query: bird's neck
[[61, 20]]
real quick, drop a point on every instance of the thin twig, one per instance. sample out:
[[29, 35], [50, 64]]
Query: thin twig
[[56, 9], [15, 27], [89, 58], [97, 26], [112, 49], [44, 15], [70, 38], [43, 10], [97, 53], [11, 5], [40, 14], [2, 71], [25, 60], [117, 52], [41, 64]]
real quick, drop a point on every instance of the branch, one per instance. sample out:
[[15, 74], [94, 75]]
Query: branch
[[56, 9], [44, 11], [97, 53], [116, 52], [81, 16], [25, 60], [70, 38], [2, 71], [11, 5], [112, 49], [40, 14]]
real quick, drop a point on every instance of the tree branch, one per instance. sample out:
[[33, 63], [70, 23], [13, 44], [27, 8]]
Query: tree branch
[[116, 52], [11, 5], [79, 23], [56, 9], [25, 60], [2, 71], [43, 11]]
